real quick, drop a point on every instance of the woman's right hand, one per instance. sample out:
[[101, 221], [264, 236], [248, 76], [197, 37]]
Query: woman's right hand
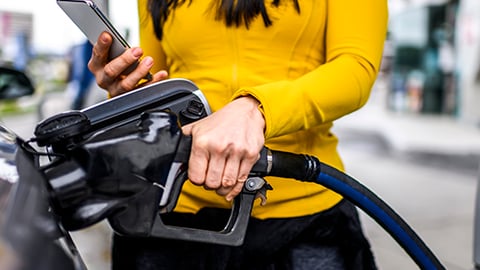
[[110, 74]]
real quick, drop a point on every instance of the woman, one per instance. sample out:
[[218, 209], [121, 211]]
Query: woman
[[275, 73]]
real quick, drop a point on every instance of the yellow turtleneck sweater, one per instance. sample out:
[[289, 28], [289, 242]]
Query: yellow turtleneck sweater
[[307, 70]]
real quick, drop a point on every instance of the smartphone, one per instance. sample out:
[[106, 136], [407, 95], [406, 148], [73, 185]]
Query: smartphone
[[92, 22]]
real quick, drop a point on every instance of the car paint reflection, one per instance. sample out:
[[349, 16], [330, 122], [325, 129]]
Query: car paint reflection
[[8, 147], [8, 177]]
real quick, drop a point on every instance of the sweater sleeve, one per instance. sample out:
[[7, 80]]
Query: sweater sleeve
[[354, 40], [151, 46]]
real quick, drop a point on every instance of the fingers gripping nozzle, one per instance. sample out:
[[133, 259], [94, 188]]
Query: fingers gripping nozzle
[[126, 160]]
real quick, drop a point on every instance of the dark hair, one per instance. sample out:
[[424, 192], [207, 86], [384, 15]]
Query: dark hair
[[234, 12]]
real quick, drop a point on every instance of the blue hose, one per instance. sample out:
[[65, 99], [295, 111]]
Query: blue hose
[[309, 169], [377, 209]]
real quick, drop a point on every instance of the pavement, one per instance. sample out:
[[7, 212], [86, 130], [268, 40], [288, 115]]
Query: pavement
[[427, 136]]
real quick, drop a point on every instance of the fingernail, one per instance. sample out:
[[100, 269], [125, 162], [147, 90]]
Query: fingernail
[[137, 52], [104, 38], [148, 61]]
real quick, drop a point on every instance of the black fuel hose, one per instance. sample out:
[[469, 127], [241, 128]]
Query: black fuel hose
[[310, 169]]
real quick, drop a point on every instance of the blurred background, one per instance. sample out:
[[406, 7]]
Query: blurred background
[[39, 38], [416, 143]]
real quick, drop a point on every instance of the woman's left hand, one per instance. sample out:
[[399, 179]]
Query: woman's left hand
[[225, 146]]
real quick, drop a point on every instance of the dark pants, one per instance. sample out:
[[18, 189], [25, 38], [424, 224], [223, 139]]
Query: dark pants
[[332, 239]]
